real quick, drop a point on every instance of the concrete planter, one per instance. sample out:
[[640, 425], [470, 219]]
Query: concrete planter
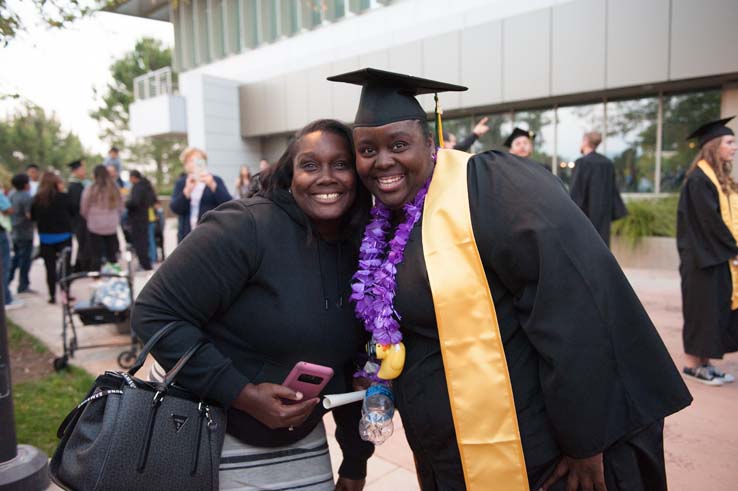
[[649, 253]]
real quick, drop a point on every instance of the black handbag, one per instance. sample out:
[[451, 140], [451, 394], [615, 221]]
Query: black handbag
[[132, 434]]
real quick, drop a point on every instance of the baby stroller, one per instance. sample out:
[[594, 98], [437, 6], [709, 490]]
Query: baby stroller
[[110, 303]]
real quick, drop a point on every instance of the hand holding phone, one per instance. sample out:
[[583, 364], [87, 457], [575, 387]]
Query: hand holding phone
[[265, 402], [308, 379]]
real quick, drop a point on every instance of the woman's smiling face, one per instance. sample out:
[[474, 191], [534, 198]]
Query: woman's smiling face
[[324, 180], [394, 160]]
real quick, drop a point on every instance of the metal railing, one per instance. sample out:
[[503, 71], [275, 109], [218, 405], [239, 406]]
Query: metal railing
[[153, 84]]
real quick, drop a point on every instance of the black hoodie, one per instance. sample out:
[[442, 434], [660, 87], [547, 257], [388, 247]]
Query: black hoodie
[[267, 294]]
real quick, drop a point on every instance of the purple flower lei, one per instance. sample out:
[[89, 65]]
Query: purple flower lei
[[373, 285]]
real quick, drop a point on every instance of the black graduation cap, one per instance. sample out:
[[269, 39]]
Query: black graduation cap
[[75, 165], [713, 129], [388, 97], [516, 133]]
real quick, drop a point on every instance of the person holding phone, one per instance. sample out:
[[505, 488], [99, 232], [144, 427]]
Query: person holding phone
[[266, 281], [196, 192]]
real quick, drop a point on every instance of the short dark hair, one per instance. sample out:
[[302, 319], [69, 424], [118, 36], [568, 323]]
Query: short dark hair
[[113, 149], [20, 181], [279, 176], [32, 166], [136, 174]]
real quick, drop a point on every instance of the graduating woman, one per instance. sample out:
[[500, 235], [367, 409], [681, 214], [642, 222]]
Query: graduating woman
[[266, 281], [529, 360], [706, 238]]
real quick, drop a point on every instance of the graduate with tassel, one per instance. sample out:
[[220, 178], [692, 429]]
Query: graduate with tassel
[[707, 231], [529, 361]]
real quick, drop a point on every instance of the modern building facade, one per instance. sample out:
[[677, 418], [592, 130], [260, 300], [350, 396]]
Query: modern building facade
[[643, 72]]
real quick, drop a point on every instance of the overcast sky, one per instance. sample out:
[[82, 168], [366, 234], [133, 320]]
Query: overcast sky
[[58, 69]]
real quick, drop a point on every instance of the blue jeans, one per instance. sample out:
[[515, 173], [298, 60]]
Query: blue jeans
[[5, 257], [22, 250], [152, 242]]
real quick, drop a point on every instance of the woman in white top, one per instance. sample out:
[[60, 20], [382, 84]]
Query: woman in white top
[[196, 191]]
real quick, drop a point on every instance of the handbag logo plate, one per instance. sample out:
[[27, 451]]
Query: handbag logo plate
[[178, 421]]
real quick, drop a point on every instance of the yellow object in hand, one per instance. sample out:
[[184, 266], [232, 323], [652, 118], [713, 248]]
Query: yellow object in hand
[[393, 360]]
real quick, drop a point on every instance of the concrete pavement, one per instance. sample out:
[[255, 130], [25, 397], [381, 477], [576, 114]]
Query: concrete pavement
[[701, 442]]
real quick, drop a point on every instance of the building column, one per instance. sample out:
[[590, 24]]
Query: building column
[[214, 125]]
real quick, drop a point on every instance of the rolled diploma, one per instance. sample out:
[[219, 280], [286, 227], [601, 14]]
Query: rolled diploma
[[334, 400]]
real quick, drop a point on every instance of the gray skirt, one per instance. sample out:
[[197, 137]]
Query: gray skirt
[[303, 466]]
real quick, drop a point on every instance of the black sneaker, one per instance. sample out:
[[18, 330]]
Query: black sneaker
[[725, 377], [703, 375]]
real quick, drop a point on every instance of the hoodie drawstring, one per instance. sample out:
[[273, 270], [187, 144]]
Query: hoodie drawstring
[[339, 303], [322, 277], [326, 299]]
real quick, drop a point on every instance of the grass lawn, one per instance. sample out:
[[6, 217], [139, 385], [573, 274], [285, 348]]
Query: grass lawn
[[42, 401]]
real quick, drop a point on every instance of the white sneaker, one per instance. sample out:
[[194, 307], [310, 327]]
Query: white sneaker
[[15, 304], [725, 377], [703, 375]]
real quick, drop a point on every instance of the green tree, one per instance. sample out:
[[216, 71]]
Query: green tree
[[147, 55], [55, 14], [32, 136]]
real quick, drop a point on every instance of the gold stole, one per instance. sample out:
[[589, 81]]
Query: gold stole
[[729, 213], [474, 361]]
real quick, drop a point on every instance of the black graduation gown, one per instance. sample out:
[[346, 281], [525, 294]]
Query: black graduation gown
[[594, 190], [588, 369], [705, 246], [79, 226]]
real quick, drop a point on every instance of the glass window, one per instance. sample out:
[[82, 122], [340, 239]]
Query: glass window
[[249, 23], [289, 17], [178, 61], [335, 9], [216, 28], [571, 123], [541, 122], [312, 13], [268, 11], [682, 114], [200, 19], [358, 6], [231, 20], [631, 143]]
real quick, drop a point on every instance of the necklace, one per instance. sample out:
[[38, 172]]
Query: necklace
[[374, 285]]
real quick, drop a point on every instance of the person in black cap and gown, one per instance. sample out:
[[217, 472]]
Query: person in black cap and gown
[[520, 142], [593, 187], [76, 185], [591, 380], [706, 239], [142, 198]]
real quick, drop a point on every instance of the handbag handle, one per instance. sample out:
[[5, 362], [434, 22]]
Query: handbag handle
[[149, 346], [172, 374]]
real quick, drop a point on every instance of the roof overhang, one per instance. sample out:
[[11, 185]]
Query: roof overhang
[[147, 9]]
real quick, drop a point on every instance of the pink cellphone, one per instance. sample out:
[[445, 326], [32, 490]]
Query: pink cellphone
[[308, 378]]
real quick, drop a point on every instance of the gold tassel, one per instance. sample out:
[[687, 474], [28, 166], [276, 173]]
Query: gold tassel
[[439, 122]]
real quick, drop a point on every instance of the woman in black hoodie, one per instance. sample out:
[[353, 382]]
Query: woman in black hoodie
[[267, 281]]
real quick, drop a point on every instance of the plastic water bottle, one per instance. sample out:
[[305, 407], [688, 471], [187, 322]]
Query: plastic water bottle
[[376, 414]]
